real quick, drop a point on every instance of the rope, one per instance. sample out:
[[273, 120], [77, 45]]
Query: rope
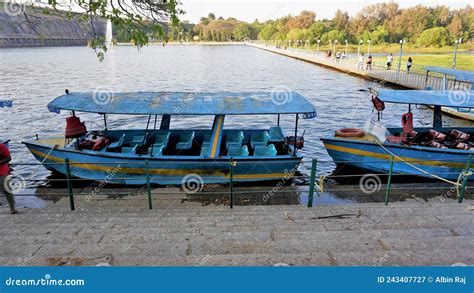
[[456, 184], [321, 183]]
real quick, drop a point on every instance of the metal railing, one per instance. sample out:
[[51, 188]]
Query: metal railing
[[310, 188]]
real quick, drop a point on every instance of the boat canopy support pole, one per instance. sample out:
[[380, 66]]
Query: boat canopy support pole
[[216, 137], [278, 120], [105, 121], [296, 133], [437, 118], [165, 122]]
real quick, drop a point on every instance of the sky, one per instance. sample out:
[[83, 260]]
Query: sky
[[249, 10]]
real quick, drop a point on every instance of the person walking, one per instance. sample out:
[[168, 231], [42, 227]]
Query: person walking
[[369, 63], [360, 64], [5, 158], [409, 63], [389, 61]]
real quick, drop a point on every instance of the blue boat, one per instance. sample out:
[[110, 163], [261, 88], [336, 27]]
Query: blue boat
[[438, 152], [173, 156], [459, 82]]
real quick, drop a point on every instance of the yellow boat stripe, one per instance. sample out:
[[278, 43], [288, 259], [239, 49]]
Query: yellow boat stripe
[[217, 136], [168, 172], [415, 161]]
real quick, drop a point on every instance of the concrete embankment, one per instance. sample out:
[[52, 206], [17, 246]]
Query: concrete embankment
[[123, 231], [30, 27]]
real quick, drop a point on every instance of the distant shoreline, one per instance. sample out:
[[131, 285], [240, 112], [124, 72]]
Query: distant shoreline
[[187, 43]]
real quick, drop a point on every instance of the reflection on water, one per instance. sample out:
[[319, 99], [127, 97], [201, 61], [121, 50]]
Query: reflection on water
[[34, 76]]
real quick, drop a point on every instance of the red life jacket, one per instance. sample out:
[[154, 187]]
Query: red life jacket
[[74, 127], [407, 122]]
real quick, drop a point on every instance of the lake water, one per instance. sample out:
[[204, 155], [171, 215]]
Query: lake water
[[32, 77]]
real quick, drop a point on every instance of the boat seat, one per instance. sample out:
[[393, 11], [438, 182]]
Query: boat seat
[[234, 140], [137, 139], [205, 151], [265, 151], [162, 139], [238, 151], [185, 141], [259, 139], [117, 144], [129, 150], [156, 150], [276, 134]]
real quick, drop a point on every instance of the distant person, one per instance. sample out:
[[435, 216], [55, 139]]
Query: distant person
[[369, 62], [343, 56], [338, 56], [5, 158], [329, 54], [409, 63], [389, 61], [360, 64]]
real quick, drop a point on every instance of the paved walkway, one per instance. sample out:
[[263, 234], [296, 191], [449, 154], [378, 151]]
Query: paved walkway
[[414, 80], [179, 232]]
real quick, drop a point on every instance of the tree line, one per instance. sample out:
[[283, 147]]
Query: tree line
[[380, 23]]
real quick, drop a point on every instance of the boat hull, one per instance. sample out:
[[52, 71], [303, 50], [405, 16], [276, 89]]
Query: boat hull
[[119, 168], [367, 155]]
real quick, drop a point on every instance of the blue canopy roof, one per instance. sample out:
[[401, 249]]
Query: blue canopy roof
[[451, 98], [185, 103], [458, 74], [6, 103]]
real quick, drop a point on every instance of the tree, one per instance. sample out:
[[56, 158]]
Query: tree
[[304, 20], [244, 31], [437, 37], [341, 20], [267, 32], [140, 19]]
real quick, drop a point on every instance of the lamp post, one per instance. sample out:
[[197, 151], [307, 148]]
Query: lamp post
[[358, 49], [318, 46], [335, 44], [307, 44], [400, 58], [368, 49], [345, 53], [456, 43]]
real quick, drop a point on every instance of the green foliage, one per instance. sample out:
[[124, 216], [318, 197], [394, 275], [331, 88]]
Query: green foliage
[[138, 21], [267, 32], [244, 31], [437, 37]]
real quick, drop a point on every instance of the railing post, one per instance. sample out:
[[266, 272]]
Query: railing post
[[312, 181], [231, 182], [389, 180], [148, 185], [69, 184], [464, 179]]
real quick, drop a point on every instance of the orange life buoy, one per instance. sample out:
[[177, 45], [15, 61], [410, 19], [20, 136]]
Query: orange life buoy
[[99, 144], [350, 132]]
